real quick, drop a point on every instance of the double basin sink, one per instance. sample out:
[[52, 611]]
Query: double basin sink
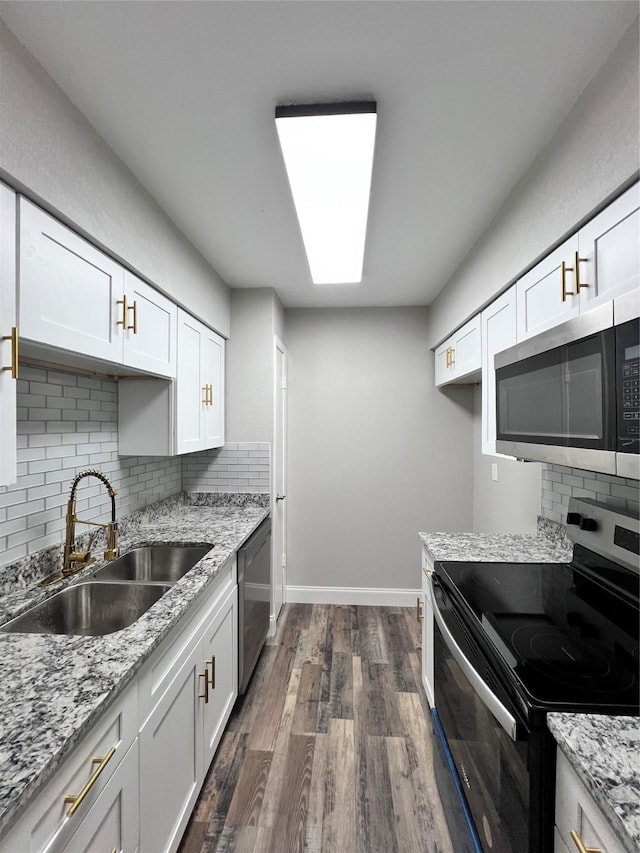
[[115, 596]]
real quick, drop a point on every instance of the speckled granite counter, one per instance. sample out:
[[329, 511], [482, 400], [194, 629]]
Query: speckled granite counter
[[54, 688], [605, 753], [548, 546]]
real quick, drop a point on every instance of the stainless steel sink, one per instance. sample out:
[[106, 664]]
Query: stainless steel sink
[[88, 609], [153, 564]]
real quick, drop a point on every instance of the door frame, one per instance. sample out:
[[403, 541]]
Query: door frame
[[278, 462]]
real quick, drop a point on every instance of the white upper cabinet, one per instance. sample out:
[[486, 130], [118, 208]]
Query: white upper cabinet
[[546, 296], [609, 260], [459, 358], [75, 298], [498, 333], [600, 262], [169, 418], [199, 387], [69, 290], [8, 336], [150, 333]]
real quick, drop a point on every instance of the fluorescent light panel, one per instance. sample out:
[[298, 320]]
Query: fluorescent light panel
[[328, 153]]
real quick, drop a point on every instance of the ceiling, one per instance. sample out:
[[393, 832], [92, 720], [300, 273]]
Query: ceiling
[[184, 92]]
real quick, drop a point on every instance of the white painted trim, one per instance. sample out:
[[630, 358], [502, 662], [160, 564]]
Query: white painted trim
[[352, 595]]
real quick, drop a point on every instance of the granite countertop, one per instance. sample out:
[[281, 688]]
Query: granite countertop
[[604, 751], [549, 545], [53, 688]]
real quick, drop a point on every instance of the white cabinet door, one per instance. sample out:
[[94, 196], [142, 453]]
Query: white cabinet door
[[577, 811], [546, 294], [220, 655], [69, 290], [190, 385], [8, 336], [150, 336], [171, 758], [112, 821], [443, 358], [609, 262], [427, 634], [460, 355], [498, 333], [213, 374]]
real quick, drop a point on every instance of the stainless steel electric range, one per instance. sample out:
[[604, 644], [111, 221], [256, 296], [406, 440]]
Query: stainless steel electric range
[[513, 641]]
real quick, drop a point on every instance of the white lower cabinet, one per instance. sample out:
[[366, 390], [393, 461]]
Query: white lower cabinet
[[427, 630], [52, 822], [137, 774], [577, 812], [112, 822], [195, 682]]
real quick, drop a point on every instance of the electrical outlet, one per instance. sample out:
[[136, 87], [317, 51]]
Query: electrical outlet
[[494, 472]]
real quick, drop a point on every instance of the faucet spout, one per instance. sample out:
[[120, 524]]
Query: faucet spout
[[74, 560]]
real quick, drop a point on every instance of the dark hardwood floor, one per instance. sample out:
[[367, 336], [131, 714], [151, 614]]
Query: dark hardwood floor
[[329, 751]]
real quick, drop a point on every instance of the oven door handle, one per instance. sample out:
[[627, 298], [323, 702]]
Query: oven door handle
[[495, 706]]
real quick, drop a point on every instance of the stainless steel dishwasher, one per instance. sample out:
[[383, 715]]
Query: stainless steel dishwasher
[[254, 600]]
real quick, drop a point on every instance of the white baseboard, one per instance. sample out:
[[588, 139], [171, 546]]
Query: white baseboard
[[352, 595]]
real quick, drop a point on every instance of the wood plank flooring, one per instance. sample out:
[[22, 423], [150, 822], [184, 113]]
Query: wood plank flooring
[[329, 751]]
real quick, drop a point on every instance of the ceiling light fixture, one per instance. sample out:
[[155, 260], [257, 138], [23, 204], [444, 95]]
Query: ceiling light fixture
[[328, 154]]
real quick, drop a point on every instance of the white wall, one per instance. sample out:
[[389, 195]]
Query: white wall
[[376, 454], [593, 154], [50, 151], [256, 315], [512, 503]]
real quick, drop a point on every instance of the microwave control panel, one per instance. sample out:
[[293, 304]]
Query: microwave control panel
[[628, 387]]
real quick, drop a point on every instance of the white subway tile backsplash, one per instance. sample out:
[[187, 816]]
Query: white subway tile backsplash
[[560, 483], [67, 423]]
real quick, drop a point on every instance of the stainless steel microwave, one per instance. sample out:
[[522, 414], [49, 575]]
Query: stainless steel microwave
[[571, 395]]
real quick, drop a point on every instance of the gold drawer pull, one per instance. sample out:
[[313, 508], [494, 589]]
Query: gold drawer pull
[[578, 842], [13, 337], [125, 309], [564, 269], [76, 799], [204, 695], [420, 614], [212, 663], [134, 308], [577, 260]]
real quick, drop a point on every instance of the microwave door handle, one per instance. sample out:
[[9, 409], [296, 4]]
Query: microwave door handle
[[491, 701]]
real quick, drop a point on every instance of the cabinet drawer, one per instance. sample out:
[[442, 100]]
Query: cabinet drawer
[[159, 671], [576, 810], [112, 821], [46, 823]]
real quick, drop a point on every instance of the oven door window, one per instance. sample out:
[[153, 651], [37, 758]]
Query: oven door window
[[562, 397], [491, 766]]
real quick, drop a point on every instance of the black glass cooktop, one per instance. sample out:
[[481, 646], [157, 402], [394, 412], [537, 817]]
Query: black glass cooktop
[[566, 634]]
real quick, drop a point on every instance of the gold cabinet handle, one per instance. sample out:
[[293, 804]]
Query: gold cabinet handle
[[564, 269], [452, 359], [448, 361], [125, 309], [579, 844], [205, 395], [212, 664], [204, 695], [577, 260], [76, 799], [211, 395], [13, 337], [134, 308], [419, 613]]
